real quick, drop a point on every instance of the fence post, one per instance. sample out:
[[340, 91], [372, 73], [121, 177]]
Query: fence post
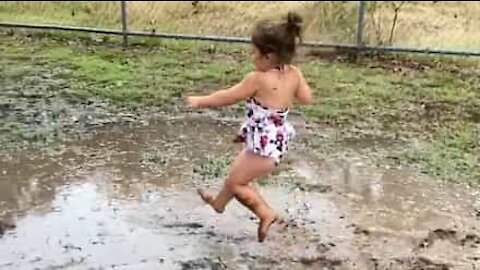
[[124, 22], [361, 22]]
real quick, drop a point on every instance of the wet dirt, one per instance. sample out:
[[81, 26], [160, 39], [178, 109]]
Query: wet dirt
[[125, 199], [36, 104]]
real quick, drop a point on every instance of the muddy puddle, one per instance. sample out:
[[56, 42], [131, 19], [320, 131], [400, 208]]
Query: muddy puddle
[[125, 199]]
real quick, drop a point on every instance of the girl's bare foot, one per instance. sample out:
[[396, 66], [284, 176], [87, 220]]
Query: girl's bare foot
[[208, 199], [264, 226]]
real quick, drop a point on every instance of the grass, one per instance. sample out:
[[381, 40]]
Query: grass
[[427, 109], [436, 107], [452, 154], [215, 167], [441, 24], [136, 77]]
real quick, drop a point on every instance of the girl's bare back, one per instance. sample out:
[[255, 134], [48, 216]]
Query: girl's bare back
[[281, 88]]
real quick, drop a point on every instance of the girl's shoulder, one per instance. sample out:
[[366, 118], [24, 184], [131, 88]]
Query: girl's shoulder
[[297, 71], [295, 68]]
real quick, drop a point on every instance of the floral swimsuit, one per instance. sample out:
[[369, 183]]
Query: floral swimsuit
[[265, 131]]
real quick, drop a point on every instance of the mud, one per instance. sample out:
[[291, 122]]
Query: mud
[[35, 105], [125, 199]]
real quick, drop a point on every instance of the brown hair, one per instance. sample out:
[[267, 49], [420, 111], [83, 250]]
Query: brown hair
[[279, 38]]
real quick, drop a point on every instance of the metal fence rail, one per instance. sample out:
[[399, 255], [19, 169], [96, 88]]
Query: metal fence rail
[[359, 47]]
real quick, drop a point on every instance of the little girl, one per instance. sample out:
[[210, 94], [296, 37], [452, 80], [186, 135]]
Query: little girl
[[270, 92]]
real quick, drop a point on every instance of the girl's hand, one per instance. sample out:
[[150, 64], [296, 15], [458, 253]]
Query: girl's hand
[[193, 102]]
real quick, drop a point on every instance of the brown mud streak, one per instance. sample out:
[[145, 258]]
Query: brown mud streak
[[470, 239], [422, 263]]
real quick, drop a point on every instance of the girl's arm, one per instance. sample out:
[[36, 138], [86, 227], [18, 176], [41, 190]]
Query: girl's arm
[[304, 93], [245, 89]]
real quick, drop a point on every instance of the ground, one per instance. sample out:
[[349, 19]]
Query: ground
[[98, 149]]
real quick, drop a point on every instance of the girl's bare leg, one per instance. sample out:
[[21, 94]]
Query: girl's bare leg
[[251, 199], [219, 202], [245, 169]]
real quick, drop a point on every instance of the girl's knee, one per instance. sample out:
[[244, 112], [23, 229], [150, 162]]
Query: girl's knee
[[232, 186], [232, 182], [235, 186]]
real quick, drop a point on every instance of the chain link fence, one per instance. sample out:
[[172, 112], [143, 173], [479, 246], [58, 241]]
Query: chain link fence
[[431, 27]]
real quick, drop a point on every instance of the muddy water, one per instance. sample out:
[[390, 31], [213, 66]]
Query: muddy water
[[125, 199]]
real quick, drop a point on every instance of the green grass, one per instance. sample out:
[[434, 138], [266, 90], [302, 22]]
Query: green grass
[[436, 107], [90, 67], [452, 154], [138, 77]]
